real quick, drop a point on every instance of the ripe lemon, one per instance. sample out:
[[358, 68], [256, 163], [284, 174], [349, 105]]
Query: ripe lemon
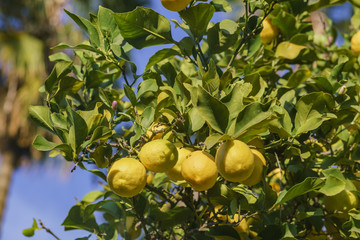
[[343, 201], [269, 31], [235, 161], [175, 172], [199, 170], [175, 5], [355, 43], [257, 173], [242, 227], [159, 155], [126, 177]]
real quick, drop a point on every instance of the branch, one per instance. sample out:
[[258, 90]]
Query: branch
[[48, 230]]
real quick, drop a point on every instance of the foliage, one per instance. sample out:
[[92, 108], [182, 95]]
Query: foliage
[[299, 94]]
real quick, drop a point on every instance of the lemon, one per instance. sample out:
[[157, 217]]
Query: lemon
[[126, 177], [175, 5], [355, 43], [128, 228], [257, 173], [343, 201], [242, 227], [219, 216], [235, 161], [158, 155], [175, 172], [269, 31], [199, 170]]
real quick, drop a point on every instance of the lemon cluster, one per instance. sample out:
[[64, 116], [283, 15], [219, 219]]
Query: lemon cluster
[[234, 160]]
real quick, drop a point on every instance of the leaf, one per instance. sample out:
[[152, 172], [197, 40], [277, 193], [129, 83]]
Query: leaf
[[60, 69], [332, 186], [92, 196], [215, 138], [107, 22], [252, 118], [146, 86], [288, 50], [41, 116], [78, 129], [308, 185], [312, 111], [83, 46], [198, 17], [211, 78], [143, 27], [196, 122], [74, 220], [130, 94], [29, 232], [161, 55], [87, 27], [298, 78], [212, 110], [223, 35], [221, 5], [41, 144]]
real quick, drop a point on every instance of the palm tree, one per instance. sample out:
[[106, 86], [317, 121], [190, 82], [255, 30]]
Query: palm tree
[[27, 31]]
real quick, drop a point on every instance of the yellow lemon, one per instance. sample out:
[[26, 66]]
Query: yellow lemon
[[159, 155], [175, 172], [269, 31], [235, 161], [343, 201], [199, 170], [355, 43], [257, 173], [242, 227], [175, 5], [126, 177]]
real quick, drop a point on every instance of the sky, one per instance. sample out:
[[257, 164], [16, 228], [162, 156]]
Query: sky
[[47, 191]]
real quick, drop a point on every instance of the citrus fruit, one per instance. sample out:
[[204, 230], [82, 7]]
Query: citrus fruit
[[257, 173], [175, 172], [158, 155], [355, 43], [199, 170], [242, 227], [175, 5], [126, 177], [218, 215], [269, 31], [235, 161], [343, 201]]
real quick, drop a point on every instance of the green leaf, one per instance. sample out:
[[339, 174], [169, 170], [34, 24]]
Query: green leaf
[[41, 144], [60, 69], [211, 78], [41, 116], [198, 18], [288, 50], [212, 110], [146, 86], [87, 27], [308, 185], [29, 232], [298, 78], [143, 27], [312, 111], [332, 186], [196, 122], [92, 196], [223, 35], [221, 5], [252, 119], [215, 138], [161, 55], [74, 220], [82, 46], [130, 94], [107, 22], [78, 129]]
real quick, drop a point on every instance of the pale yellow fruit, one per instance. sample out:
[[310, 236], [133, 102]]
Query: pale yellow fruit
[[158, 155], [175, 172], [269, 31], [127, 177], [175, 5], [219, 216], [199, 170], [355, 43], [150, 178], [274, 177], [343, 201], [235, 161], [257, 173], [242, 227]]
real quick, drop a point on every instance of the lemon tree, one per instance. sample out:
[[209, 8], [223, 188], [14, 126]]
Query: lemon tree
[[254, 110]]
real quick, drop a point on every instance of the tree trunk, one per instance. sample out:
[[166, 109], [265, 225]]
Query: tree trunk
[[6, 169]]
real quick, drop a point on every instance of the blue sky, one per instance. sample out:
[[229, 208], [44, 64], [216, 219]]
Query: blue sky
[[49, 190]]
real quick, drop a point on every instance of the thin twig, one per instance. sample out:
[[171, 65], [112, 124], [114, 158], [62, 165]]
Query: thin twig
[[48, 230]]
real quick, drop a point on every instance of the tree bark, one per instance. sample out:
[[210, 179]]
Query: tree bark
[[7, 167]]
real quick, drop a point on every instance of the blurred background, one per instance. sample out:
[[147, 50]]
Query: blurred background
[[31, 184]]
